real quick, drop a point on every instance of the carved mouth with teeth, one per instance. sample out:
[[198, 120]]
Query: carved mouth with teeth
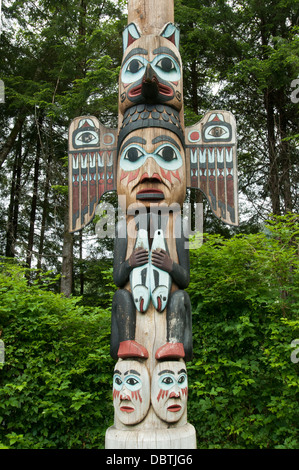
[[150, 89]]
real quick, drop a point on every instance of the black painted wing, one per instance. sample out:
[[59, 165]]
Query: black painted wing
[[92, 168], [211, 160]]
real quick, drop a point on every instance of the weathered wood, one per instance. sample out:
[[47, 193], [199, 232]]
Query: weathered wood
[[150, 15], [152, 159], [183, 437]]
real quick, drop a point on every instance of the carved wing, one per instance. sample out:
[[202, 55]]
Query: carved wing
[[92, 168], [211, 160]]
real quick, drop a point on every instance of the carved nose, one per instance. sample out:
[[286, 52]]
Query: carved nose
[[149, 88], [149, 74], [123, 396], [174, 395]]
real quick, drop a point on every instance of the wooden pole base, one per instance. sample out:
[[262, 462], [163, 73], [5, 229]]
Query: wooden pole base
[[183, 437]]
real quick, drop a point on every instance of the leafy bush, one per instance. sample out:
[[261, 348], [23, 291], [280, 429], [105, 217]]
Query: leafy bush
[[245, 296], [55, 385]]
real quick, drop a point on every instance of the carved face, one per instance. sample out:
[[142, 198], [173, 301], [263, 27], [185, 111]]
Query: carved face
[[151, 73], [151, 167], [131, 391], [169, 390]]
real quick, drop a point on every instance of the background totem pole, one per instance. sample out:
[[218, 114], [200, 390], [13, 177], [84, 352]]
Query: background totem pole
[[150, 160]]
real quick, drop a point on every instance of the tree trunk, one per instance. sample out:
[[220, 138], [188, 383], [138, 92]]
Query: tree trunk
[[11, 138], [66, 284], [13, 209], [81, 263], [45, 204], [285, 179], [34, 198], [273, 184]]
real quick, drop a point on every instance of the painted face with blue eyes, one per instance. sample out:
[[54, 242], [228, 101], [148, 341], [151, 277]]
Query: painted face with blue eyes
[[131, 391], [151, 73], [151, 167], [169, 390]]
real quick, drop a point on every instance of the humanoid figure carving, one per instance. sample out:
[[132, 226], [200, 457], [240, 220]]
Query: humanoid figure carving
[[178, 310]]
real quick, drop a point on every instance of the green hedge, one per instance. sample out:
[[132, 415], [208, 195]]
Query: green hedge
[[55, 384], [245, 296]]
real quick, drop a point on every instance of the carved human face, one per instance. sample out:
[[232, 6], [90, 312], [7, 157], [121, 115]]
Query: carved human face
[[151, 167], [151, 73], [131, 391], [169, 390]]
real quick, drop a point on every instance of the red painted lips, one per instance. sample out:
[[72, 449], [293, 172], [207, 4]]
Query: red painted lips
[[127, 409], [174, 408], [162, 89]]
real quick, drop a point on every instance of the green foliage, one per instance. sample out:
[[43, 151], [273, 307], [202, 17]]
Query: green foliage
[[55, 384], [245, 296]]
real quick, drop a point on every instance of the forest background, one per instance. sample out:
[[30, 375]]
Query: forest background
[[60, 60]]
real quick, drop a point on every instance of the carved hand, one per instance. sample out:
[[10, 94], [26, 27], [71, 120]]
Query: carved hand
[[138, 257], [162, 260]]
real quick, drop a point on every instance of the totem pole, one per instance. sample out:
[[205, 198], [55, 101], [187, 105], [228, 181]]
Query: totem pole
[[150, 160]]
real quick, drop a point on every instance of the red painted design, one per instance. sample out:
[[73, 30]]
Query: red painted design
[[133, 175], [171, 38], [221, 188], [170, 350], [156, 176], [136, 395], [166, 175], [101, 184], [194, 136], [130, 39], [123, 175], [92, 189], [176, 175], [115, 393], [203, 181], [84, 193], [162, 394], [131, 348], [230, 189], [143, 177]]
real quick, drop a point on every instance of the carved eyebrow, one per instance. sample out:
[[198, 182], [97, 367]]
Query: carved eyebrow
[[166, 371], [137, 50], [133, 140], [182, 370], [117, 372], [132, 371], [165, 50], [162, 138]]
